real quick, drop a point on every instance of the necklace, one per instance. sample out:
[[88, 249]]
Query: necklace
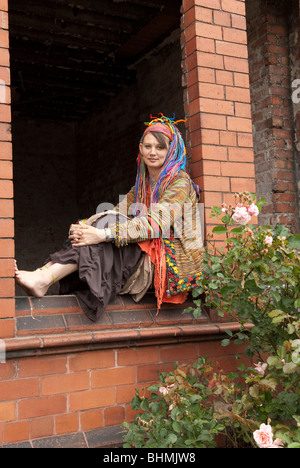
[[152, 184]]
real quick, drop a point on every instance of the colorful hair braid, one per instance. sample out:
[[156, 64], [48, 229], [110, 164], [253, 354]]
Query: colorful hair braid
[[175, 161]]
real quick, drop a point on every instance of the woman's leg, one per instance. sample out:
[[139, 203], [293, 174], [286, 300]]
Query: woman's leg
[[36, 283]]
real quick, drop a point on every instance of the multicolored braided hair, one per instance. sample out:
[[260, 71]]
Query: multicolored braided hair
[[175, 160]]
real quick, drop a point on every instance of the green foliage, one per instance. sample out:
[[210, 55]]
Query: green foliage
[[176, 413], [252, 279]]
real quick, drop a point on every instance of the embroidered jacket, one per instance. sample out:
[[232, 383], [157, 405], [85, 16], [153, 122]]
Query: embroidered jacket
[[176, 220]]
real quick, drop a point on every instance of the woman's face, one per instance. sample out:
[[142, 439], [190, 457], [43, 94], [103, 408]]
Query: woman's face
[[153, 153]]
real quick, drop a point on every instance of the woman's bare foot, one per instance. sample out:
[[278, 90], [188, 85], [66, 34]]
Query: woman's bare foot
[[34, 283]]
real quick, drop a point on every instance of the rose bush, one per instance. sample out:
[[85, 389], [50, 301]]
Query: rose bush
[[252, 276]]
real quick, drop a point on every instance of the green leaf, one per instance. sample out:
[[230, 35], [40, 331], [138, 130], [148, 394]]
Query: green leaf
[[135, 403], [294, 445], [225, 342], [171, 439], [219, 229], [289, 368], [294, 241]]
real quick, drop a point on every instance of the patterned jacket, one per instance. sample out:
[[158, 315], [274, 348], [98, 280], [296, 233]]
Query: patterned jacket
[[176, 220]]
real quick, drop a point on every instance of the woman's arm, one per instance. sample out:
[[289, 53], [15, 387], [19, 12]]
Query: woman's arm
[[161, 218]]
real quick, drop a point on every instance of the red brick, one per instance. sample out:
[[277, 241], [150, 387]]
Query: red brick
[[213, 91], [4, 38], [237, 94], [5, 150], [110, 377], [6, 189], [91, 419], [245, 140], [7, 309], [242, 185], [7, 411], [208, 30], [43, 366], [239, 22], [237, 169], [16, 389], [16, 432], [211, 168], [236, 64], [4, 5], [237, 36], [5, 132], [7, 268], [241, 80], [228, 138], [92, 360], [65, 383], [239, 124], [214, 4], [216, 184], [97, 398], [42, 406], [222, 18], [243, 110], [206, 75], [5, 113], [224, 77], [233, 6], [217, 153], [207, 60], [134, 356], [7, 288], [241, 154], [6, 169], [231, 49], [42, 427], [67, 423], [114, 416], [214, 122], [4, 57], [7, 326], [216, 106], [179, 352], [210, 137], [7, 370]]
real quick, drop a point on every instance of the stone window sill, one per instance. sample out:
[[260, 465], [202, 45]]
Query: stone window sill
[[57, 324]]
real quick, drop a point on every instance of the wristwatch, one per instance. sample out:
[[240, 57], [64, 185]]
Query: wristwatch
[[108, 234]]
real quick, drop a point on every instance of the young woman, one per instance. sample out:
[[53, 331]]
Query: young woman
[[153, 234]]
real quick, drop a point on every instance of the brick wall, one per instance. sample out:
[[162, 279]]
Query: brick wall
[[49, 385], [7, 283], [51, 396], [268, 30], [217, 98]]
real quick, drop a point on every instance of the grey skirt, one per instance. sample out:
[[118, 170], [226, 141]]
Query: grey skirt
[[103, 270]]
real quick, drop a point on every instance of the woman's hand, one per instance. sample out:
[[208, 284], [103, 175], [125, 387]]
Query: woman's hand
[[82, 235]]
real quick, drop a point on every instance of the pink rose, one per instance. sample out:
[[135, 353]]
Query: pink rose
[[269, 240], [253, 210], [165, 390], [264, 436], [241, 215], [261, 368]]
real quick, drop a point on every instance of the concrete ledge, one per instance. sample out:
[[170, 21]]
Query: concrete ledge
[[106, 437]]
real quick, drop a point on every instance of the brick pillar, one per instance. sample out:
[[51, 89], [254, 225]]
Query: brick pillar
[[217, 99], [7, 284], [268, 36]]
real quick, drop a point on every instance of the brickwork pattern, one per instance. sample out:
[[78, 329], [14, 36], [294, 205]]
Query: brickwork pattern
[[217, 99], [268, 26], [7, 290]]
